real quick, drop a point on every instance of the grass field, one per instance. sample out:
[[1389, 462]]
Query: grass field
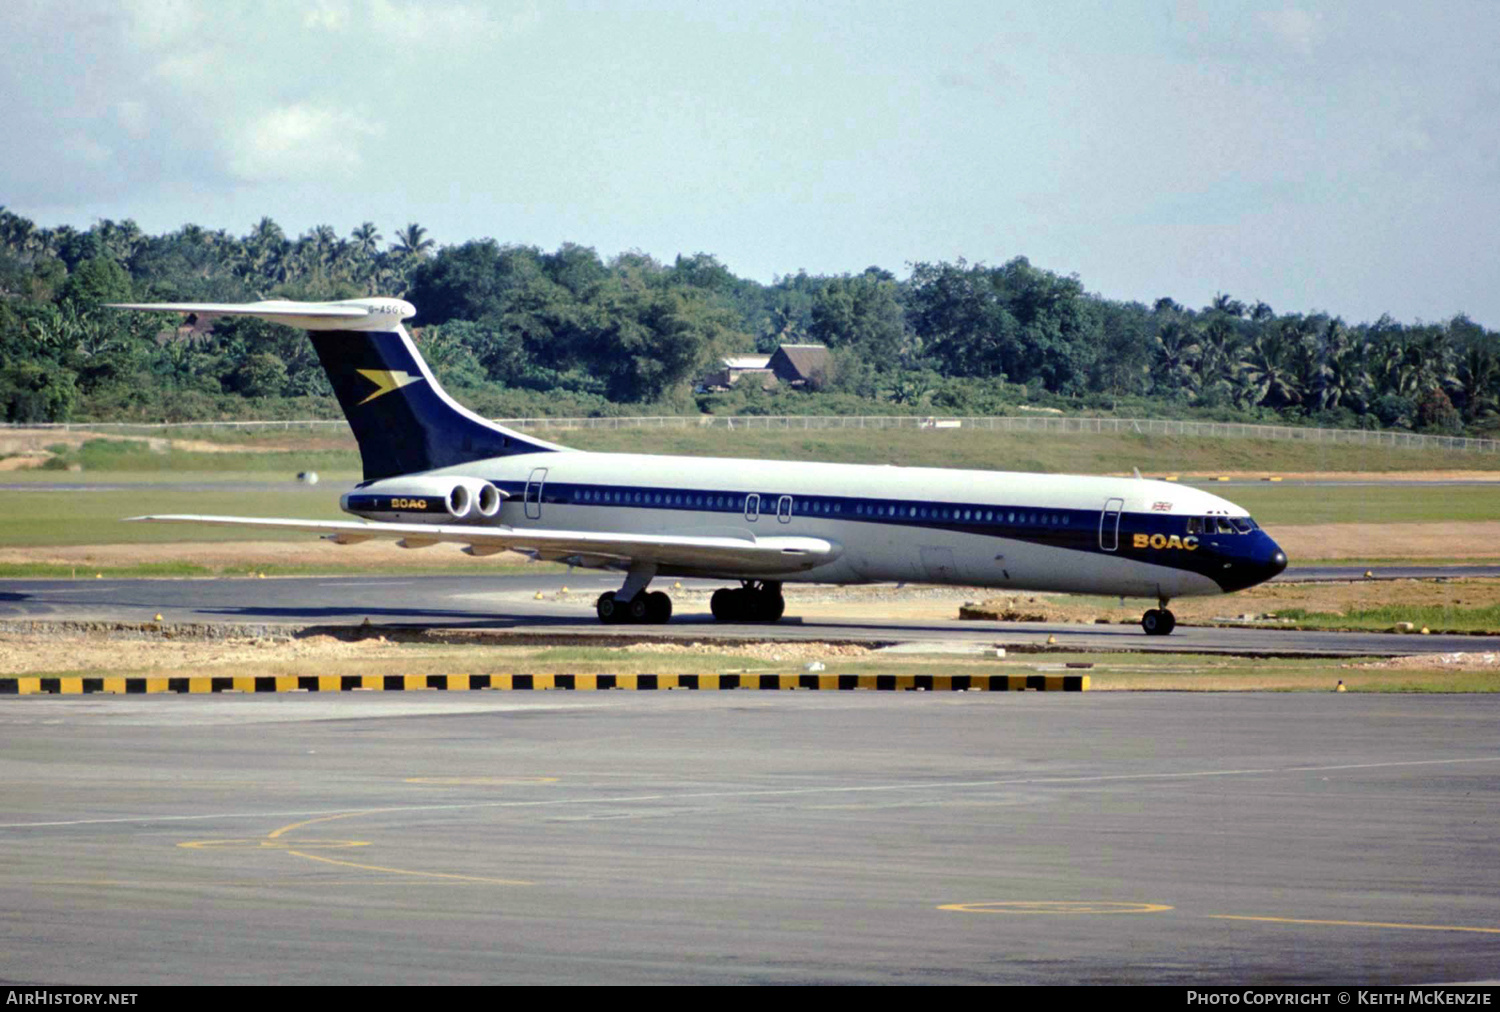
[[1301, 505], [1433, 617], [998, 451], [47, 517], [114, 455], [291, 451]]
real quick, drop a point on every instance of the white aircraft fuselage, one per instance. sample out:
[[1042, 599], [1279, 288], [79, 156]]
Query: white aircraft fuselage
[[1020, 531]]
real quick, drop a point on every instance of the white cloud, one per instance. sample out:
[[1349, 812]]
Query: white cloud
[[300, 141], [329, 15], [157, 24], [1296, 29], [410, 22]]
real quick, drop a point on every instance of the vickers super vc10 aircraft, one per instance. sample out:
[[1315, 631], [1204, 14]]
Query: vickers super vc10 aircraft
[[435, 471]]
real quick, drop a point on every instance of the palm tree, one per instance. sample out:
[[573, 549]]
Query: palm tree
[[18, 233], [323, 249], [267, 233], [1478, 376], [366, 239], [1175, 368], [1222, 303], [1339, 374], [120, 240], [261, 249], [1268, 373], [1218, 357], [410, 241]]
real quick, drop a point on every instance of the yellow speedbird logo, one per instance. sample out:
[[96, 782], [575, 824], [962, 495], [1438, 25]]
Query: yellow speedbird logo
[[1187, 544], [385, 381]]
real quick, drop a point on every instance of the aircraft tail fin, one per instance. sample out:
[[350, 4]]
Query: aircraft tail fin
[[402, 418]]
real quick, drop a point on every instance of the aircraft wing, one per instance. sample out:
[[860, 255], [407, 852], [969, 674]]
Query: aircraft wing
[[748, 554]]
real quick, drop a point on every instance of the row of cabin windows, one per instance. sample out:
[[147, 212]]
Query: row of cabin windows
[[769, 504], [820, 507], [659, 499], [967, 515]]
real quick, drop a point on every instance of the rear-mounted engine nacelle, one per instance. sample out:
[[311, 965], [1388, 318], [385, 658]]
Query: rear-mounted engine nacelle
[[434, 500]]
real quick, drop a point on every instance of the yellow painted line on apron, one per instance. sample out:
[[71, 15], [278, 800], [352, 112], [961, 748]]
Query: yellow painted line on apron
[[325, 818], [416, 874]]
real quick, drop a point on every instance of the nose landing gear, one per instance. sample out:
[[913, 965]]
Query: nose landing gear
[[1159, 621]]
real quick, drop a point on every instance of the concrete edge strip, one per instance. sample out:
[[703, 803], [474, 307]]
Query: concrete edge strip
[[205, 684]]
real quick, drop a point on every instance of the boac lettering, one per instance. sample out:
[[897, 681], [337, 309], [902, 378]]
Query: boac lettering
[[1159, 541]]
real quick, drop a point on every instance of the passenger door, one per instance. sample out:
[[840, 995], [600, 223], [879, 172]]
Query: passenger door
[[1109, 525], [534, 493]]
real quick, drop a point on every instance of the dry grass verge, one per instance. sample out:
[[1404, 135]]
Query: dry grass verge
[[1464, 603], [148, 650]]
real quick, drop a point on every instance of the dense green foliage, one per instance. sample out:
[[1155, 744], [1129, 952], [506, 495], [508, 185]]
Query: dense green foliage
[[516, 331]]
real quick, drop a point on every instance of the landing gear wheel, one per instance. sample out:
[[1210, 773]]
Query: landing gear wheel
[[658, 607], [748, 604], [1158, 622], [608, 610], [639, 608]]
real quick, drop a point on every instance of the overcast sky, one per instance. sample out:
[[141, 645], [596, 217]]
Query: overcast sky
[[1319, 156]]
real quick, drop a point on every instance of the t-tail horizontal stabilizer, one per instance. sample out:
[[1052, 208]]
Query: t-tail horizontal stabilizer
[[403, 420], [349, 314]]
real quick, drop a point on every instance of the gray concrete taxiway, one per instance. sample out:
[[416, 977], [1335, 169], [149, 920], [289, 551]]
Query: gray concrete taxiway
[[770, 838], [507, 603]]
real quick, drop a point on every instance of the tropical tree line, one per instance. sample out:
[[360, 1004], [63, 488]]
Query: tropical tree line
[[517, 330]]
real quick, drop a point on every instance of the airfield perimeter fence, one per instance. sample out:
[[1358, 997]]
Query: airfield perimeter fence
[[1063, 424]]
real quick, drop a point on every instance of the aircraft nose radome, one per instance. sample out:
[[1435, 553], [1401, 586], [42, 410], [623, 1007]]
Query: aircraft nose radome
[[1275, 562]]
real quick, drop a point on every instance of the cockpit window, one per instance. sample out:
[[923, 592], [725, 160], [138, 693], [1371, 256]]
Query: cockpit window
[[1225, 527], [1244, 524], [1194, 525]]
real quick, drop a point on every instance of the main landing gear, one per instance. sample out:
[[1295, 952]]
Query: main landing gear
[[631, 603], [753, 602], [1159, 621], [652, 609]]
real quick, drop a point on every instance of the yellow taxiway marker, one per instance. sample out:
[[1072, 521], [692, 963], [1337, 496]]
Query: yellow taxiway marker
[[204, 684]]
